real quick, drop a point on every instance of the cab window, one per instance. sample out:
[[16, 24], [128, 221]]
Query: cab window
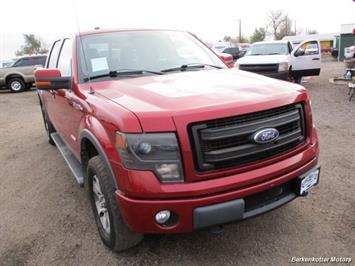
[[310, 48], [22, 62], [38, 61], [65, 57], [53, 57]]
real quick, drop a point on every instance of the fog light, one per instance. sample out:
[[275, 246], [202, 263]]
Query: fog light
[[162, 217]]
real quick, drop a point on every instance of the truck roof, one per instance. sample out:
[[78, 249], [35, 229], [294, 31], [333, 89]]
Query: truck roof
[[266, 42], [98, 31]]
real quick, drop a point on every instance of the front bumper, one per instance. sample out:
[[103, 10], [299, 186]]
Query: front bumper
[[200, 212]]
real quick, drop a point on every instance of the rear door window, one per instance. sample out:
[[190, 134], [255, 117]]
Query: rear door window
[[38, 61]]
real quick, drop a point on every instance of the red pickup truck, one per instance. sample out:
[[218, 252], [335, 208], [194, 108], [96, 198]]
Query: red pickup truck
[[167, 139]]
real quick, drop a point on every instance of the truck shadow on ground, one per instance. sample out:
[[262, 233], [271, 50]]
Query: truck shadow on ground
[[239, 241]]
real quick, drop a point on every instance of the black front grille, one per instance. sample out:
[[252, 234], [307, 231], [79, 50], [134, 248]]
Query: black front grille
[[260, 68], [228, 142]]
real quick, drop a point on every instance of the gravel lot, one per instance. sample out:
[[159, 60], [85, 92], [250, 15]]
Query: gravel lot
[[45, 217]]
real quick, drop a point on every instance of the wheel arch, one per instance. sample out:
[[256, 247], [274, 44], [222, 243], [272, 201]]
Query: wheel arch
[[14, 75], [90, 146]]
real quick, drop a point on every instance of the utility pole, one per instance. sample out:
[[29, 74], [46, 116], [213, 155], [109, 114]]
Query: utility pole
[[240, 29]]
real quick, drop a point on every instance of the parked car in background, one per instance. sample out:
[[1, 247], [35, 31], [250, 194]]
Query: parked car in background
[[167, 139], [221, 46], [334, 52], [225, 57], [278, 59], [233, 51], [19, 76], [6, 63], [243, 49]]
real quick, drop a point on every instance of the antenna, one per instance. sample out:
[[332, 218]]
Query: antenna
[[82, 47]]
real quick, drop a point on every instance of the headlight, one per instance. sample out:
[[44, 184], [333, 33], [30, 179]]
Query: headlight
[[283, 67], [158, 152]]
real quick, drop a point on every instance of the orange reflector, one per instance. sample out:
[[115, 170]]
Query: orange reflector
[[121, 141], [43, 83]]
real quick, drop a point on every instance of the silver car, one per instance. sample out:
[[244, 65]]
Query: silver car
[[19, 76]]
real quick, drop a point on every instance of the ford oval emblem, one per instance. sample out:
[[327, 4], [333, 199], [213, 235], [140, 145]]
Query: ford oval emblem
[[266, 135]]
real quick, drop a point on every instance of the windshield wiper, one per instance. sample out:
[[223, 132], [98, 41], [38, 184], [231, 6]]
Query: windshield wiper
[[123, 72], [189, 66], [272, 53]]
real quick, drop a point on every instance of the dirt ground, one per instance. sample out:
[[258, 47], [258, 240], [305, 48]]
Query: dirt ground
[[45, 217]]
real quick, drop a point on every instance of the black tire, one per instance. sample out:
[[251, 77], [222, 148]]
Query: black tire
[[48, 126], [119, 237], [16, 85]]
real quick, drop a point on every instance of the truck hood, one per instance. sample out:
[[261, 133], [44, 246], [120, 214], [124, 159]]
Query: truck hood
[[158, 100], [263, 59]]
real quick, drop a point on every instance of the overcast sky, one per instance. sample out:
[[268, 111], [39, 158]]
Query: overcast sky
[[210, 20]]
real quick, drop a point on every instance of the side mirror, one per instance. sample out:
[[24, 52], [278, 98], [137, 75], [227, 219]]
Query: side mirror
[[51, 79], [299, 52], [227, 59]]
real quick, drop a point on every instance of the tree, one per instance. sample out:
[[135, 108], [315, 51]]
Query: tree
[[235, 40], [285, 27], [227, 38], [32, 45], [280, 24], [258, 35], [243, 39]]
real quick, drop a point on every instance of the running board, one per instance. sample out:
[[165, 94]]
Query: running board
[[69, 158]]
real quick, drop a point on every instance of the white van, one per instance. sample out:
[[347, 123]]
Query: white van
[[279, 59]]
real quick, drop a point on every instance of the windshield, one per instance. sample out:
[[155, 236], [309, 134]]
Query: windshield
[[268, 49], [142, 50]]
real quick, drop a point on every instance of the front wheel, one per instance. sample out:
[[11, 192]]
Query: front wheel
[[292, 78], [112, 229], [16, 85]]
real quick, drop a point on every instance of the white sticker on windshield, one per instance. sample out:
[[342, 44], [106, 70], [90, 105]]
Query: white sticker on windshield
[[99, 64]]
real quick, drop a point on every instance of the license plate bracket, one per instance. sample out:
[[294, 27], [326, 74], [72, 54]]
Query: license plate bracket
[[308, 180]]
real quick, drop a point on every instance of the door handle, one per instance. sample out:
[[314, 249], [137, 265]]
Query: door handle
[[316, 58]]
